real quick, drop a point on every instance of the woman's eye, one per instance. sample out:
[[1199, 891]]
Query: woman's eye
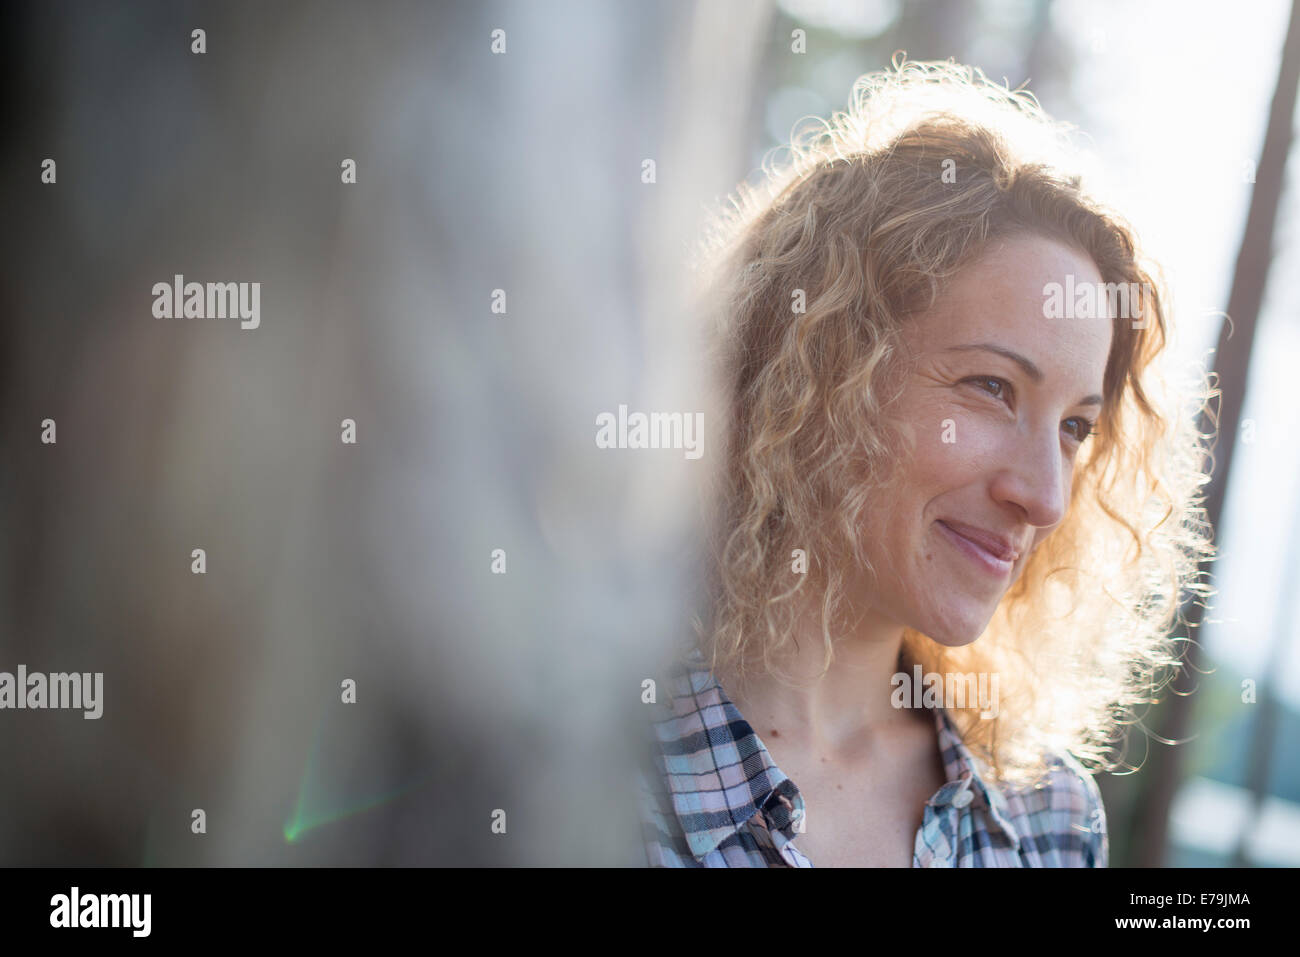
[[982, 380], [1083, 429]]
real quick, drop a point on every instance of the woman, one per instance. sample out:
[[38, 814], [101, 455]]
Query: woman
[[954, 520]]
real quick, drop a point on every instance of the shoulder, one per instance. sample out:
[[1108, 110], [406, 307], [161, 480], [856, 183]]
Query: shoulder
[[1064, 815], [661, 832], [666, 733]]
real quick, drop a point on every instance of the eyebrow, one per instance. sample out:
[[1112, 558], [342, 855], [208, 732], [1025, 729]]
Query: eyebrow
[[1031, 370]]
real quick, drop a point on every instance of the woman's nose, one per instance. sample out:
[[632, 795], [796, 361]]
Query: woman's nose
[[1033, 479]]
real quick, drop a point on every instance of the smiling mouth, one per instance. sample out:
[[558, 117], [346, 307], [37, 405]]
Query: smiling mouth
[[978, 554]]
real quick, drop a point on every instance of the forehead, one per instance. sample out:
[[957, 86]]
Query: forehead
[[999, 298]]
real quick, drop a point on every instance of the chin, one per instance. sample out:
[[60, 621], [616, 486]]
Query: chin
[[952, 641], [955, 634]]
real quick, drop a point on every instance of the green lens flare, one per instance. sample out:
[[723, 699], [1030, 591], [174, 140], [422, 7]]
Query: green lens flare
[[301, 822]]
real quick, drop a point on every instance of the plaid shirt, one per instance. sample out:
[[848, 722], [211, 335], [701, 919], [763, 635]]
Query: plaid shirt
[[715, 798]]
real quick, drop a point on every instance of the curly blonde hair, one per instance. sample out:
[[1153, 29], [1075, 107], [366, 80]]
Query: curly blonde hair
[[863, 220]]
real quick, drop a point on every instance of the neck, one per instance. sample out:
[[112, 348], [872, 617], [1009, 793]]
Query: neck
[[837, 712]]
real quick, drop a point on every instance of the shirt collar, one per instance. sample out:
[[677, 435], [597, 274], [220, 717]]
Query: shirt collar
[[718, 771], [720, 774], [966, 772]]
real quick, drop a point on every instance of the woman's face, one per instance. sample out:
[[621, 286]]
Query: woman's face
[[995, 439]]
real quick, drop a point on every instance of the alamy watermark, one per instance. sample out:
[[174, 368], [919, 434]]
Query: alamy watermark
[[653, 430], [36, 690], [947, 690], [179, 299], [76, 909], [1096, 300]]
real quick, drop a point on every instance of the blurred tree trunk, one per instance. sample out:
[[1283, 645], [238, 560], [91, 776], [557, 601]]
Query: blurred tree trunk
[[1150, 825], [1261, 742]]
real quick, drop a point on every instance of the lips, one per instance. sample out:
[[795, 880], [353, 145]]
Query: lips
[[996, 545]]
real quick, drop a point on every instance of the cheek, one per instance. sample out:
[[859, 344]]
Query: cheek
[[958, 451]]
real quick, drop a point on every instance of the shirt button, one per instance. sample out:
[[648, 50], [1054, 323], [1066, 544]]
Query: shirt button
[[962, 798]]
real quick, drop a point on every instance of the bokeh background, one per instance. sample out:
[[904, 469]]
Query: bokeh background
[[519, 171]]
